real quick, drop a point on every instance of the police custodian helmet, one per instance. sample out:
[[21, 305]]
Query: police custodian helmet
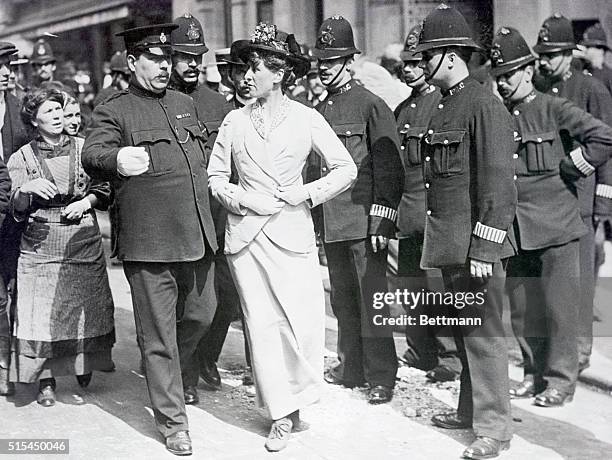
[[335, 39], [509, 51], [444, 27], [556, 34]]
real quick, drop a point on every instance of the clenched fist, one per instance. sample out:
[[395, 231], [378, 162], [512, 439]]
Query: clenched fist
[[132, 161]]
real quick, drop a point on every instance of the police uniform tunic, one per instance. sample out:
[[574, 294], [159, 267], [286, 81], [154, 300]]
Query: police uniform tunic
[[367, 128], [165, 233], [591, 96], [548, 225], [471, 201]]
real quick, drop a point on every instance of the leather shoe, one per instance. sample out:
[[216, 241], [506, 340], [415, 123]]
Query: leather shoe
[[451, 421], [210, 373], [84, 380], [46, 394], [279, 435], [551, 397], [331, 378], [442, 374], [179, 443], [191, 395], [380, 394], [525, 389], [484, 447]]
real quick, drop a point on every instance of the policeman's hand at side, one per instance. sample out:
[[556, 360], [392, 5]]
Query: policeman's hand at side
[[132, 161], [40, 187], [293, 194], [261, 203], [481, 269], [568, 171], [379, 242], [75, 211]]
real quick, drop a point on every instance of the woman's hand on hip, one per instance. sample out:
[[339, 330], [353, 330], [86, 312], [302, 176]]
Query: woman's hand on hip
[[261, 203], [39, 187], [293, 194]]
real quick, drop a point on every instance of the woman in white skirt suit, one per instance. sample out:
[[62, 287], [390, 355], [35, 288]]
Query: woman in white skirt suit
[[269, 236]]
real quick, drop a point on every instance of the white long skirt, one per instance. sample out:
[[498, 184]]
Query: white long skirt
[[284, 309]]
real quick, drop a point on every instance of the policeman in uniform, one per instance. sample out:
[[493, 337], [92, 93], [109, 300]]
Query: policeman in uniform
[[356, 225], [595, 45], [148, 143], [434, 352], [13, 135], [471, 200], [43, 62], [120, 77], [554, 46], [545, 272]]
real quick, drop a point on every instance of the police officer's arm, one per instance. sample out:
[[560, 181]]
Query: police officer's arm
[[103, 141], [493, 146], [328, 146], [5, 190], [387, 170]]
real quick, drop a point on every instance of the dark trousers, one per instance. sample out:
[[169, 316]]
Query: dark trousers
[[544, 291], [355, 274], [484, 397], [429, 346], [228, 309], [587, 290], [174, 304]]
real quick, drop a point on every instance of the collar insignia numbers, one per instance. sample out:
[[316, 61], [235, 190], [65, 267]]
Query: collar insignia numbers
[[41, 49], [163, 38], [326, 39], [193, 33], [544, 33], [456, 89]]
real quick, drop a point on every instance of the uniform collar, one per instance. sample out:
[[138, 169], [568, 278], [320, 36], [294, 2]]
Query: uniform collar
[[138, 90], [342, 89], [453, 91], [526, 100]]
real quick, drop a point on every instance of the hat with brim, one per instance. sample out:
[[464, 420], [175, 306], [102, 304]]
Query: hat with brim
[[196, 50], [410, 56], [232, 56], [595, 44], [335, 39], [334, 53], [595, 36], [268, 38], [7, 49], [506, 67], [554, 47], [154, 39], [509, 51], [556, 34], [408, 53], [445, 27]]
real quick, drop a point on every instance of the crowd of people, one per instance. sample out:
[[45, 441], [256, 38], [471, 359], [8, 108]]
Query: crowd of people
[[219, 196]]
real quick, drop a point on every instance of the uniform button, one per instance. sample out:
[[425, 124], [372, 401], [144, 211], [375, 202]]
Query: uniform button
[[403, 148], [330, 102], [427, 158], [348, 133], [517, 113], [515, 156], [429, 212], [413, 105], [426, 184], [430, 131], [555, 90], [407, 125], [539, 140], [440, 106], [445, 141], [420, 134], [515, 177], [324, 169]]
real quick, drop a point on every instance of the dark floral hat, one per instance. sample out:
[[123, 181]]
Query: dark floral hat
[[267, 37]]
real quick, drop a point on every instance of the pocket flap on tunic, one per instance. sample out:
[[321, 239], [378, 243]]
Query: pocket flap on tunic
[[448, 137], [539, 138], [150, 136], [211, 126], [196, 131], [351, 129]]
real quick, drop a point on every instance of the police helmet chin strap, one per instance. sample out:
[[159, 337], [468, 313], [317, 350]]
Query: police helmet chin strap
[[340, 72], [517, 86], [438, 66], [412, 82]]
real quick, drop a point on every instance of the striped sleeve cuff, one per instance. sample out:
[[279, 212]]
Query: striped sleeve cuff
[[489, 233], [580, 162], [383, 211], [604, 191]]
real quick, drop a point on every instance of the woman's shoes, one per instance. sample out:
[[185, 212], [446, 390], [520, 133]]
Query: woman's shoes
[[525, 389], [84, 380], [46, 393], [280, 432], [551, 397]]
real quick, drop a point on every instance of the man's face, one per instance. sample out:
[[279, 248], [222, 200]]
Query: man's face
[[152, 71], [5, 72], [314, 84], [554, 64], [412, 72], [594, 54], [329, 68], [508, 84], [44, 71], [237, 73], [187, 67], [431, 62]]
